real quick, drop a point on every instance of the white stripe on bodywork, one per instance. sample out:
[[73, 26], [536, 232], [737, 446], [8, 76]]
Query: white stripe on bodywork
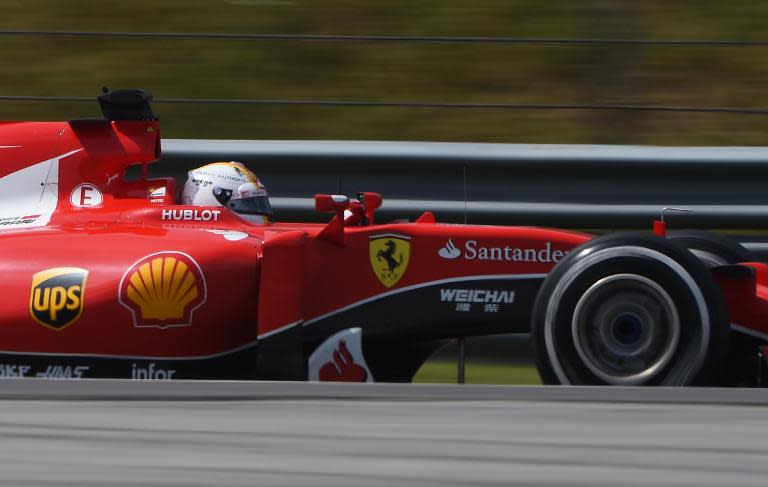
[[278, 330], [389, 235], [134, 357], [33, 190], [749, 331]]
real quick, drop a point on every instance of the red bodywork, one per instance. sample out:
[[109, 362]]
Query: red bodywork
[[70, 207], [746, 296], [106, 277]]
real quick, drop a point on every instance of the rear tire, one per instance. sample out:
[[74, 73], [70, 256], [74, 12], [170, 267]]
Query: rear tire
[[630, 309]]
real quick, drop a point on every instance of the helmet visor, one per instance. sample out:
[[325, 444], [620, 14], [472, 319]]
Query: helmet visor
[[253, 205]]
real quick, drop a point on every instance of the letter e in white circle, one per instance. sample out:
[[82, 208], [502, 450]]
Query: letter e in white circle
[[86, 195]]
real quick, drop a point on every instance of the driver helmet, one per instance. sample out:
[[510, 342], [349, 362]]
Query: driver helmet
[[228, 184]]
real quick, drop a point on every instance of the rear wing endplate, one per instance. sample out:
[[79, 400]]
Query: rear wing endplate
[[126, 105]]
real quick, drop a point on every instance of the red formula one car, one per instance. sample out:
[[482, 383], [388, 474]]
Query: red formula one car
[[106, 277]]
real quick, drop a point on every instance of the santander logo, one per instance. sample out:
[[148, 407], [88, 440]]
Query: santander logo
[[449, 251], [474, 250]]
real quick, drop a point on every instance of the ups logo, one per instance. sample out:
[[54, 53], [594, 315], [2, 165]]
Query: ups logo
[[56, 298]]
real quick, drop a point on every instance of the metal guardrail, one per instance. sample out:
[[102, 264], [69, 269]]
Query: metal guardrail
[[576, 186]]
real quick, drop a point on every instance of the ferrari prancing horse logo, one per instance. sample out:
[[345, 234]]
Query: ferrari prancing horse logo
[[389, 257]]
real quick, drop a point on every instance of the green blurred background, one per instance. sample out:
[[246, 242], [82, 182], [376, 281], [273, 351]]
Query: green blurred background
[[693, 76]]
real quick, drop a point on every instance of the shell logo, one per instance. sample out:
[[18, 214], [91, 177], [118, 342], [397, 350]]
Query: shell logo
[[163, 290]]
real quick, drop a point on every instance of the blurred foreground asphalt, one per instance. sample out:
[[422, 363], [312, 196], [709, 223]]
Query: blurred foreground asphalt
[[118, 433]]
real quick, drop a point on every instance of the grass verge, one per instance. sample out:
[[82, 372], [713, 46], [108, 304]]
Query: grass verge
[[444, 372]]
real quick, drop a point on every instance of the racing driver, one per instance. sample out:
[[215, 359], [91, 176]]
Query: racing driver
[[229, 184]]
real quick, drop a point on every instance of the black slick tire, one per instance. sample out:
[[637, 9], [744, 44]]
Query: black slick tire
[[630, 309]]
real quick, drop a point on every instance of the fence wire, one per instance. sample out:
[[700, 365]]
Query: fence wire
[[534, 41], [410, 104]]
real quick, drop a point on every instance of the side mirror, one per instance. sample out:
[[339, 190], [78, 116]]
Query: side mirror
[[370, 201], [331, 203]]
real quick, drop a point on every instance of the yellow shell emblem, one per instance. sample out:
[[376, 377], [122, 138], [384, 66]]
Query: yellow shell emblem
[[163, 290], [389, 255]]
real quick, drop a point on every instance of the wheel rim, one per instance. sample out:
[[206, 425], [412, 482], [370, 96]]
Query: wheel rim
[[625, 329]]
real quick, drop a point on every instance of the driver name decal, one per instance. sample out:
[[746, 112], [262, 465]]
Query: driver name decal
[[163, 290]]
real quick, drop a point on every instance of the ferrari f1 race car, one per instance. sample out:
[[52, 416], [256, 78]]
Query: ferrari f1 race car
[[108, 277]]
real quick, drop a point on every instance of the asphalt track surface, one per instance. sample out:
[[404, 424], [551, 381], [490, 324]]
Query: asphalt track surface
[[115, 433]]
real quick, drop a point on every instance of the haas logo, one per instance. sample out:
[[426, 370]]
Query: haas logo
[[390, 255]]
